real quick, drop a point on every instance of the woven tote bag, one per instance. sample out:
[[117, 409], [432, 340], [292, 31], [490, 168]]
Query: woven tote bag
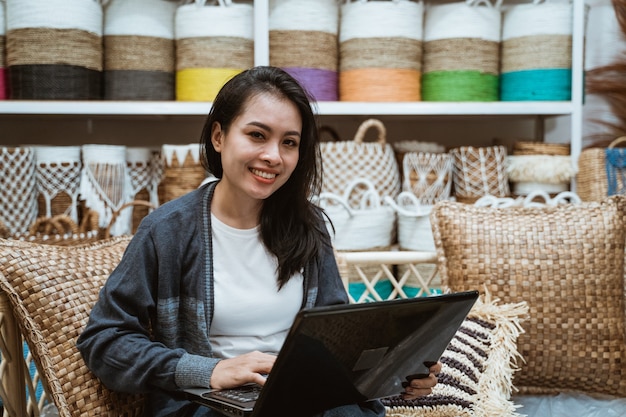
[[3, 61], [105, 184], [345, 161], [479, 171], [182, 171], [54, 49], [18, 188], [58, 170], [213, 44], [414, 231], [380, 50], [461, 51], [536, 52], [139, 54], [304, 42]]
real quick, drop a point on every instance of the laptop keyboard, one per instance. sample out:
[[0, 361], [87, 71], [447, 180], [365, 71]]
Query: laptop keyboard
[[244, 394]]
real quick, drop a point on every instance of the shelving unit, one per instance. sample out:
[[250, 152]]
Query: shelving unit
[[534, 112]]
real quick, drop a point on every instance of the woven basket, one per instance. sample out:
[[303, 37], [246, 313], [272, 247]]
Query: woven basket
[[591, 178], [479, 171], [18, 188], [139, 50], [145, 171], [461, 52], [428, 176], [54, 49], [182, 171], [303, 41], [58, 171], [540, 148], [414, 231], [536, 62], [62, 230], [380, 51], [345, 161], [209, 54]]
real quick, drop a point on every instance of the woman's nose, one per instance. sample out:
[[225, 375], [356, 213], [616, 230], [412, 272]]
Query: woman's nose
[[271, 153]]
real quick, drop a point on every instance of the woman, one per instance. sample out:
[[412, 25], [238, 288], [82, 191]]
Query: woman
[[211, 282]]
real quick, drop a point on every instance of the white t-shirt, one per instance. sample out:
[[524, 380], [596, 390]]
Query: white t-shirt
[[249, 311]]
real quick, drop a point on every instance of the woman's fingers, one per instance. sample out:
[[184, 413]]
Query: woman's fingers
[[250, 367]]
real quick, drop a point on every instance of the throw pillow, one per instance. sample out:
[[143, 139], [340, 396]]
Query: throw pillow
[[477, 367], [52, 290], [567, 263]]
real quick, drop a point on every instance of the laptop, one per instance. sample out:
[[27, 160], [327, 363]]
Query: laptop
[[345, 354]]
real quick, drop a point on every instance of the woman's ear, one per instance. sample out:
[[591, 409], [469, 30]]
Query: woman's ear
[[217, 136]]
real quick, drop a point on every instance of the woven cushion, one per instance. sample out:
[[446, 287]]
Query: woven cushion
[[477, 367], [567, 263], [52, 291]]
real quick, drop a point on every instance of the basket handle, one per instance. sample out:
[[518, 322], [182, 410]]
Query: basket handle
[[400, 209], [382, 131], [116, 213], [617, 141], [371, 195], [331, 131], [61, 224], [326, 196]]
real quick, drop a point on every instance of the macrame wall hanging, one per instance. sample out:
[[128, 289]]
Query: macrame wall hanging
[[105, 185]]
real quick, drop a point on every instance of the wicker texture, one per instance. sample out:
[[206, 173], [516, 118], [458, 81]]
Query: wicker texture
[[567, 263], [591, 179], [540, 148], [52, 291], [479, 171]]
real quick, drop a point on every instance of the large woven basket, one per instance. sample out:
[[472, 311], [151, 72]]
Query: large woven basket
[[303, 42], [139, 50], [54, 49], [213, 43]]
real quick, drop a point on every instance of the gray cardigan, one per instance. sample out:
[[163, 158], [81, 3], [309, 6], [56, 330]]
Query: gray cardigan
[[149, 331]]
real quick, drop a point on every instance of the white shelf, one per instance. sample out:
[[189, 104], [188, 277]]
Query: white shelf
[[173, 108]]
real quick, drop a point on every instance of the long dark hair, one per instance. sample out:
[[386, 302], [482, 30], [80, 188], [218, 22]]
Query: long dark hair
[[291, 227]]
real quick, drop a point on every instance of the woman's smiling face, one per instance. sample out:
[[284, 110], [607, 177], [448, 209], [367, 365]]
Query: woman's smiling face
[[260, 149]]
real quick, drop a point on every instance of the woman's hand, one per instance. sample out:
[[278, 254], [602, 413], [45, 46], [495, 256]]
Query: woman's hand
[[250, 367], [422, 386]]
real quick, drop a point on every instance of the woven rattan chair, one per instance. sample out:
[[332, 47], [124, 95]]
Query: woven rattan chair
[[46, 295]]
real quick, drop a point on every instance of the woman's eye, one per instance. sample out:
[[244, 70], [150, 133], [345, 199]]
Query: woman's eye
[[291, 142], [257, 135]]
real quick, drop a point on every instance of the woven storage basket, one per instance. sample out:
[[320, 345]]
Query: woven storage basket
[[58, 171], [304, 42], [105, 183], [428, 176], [213, 43], [591, 179], [182, 171], [3, 61], [540, 148], [139, 50], [61, 230], [54, 49], [345, 161], [536, 59], [461, 52], [401, 147], [145, 171], [479, 171], [380, 50], [414, 231], [18, 188]]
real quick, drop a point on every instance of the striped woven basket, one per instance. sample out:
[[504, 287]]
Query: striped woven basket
[[139, 54], [3, 61], [54, 49], [58, 170], [213, 44], [536, 52], [479, 171], [380, 50], [182, 171], [461, 52], [18, 188], [303, 42]]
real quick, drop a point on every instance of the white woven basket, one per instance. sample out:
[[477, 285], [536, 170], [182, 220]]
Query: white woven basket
[[370, 225], [140, 17], [85, 15], [414, 229], [371, 19], [199, 20]]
